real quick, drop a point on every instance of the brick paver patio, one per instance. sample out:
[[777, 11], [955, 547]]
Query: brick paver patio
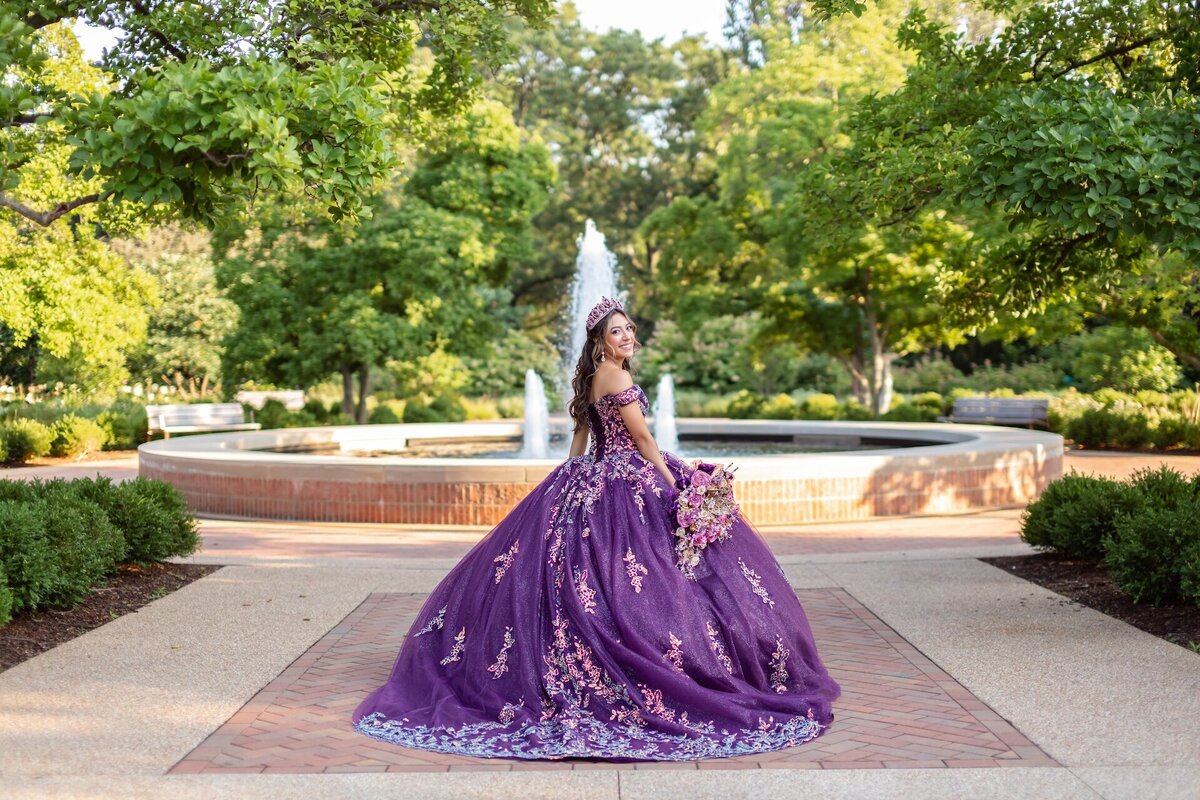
[[898, 709]]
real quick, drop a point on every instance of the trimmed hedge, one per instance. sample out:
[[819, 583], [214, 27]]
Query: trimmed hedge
[[1154, 554], [1146, 530], [6, 599], [1076, 514], [59, 538]]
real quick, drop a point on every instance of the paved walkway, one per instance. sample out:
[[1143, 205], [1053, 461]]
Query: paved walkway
[[959, 679]]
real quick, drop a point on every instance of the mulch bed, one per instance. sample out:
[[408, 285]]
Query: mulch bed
[[132, 587], [1088, 583]]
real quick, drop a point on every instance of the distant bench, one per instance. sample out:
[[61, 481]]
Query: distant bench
[[198, 418], [1027, 411]]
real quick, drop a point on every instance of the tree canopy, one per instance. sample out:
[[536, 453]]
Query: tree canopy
[[319, 298], [202, 106]]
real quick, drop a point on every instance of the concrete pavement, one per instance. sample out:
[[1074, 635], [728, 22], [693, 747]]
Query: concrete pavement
[[1104, 710]]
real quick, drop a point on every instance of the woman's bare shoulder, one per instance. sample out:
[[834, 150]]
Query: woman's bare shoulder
[[610, 381]]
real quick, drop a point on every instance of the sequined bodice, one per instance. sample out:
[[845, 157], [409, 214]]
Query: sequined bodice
[[609, 434]]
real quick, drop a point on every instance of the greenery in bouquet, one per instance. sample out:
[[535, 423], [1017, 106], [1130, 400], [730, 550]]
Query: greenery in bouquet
[[704, 513]]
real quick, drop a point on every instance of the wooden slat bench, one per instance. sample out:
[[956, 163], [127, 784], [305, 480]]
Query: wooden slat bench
[[198, 418], [1026, 411]]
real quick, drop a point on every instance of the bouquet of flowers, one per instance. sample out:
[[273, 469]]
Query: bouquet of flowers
[[704, 513]]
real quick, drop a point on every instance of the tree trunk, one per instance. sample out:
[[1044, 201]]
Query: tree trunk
[[1191, 359], [347, 390], [364, 385]]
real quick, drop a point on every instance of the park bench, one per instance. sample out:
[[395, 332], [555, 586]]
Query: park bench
[[198, 418], [1027, 411]]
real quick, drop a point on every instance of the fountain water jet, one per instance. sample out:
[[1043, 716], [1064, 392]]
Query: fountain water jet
[[595, 277], [665, 432], [536, 436]]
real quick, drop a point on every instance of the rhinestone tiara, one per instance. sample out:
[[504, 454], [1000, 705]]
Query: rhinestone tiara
[[601, 310]]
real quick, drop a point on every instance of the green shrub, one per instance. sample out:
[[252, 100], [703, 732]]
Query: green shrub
[[478, 408], [383, 415], [781, 406], [118, 432], [76, 436], [6, 599], [744, 405], [1129, 427], [16, 490], [1076, 514], [1164, 487], [1089, 428], [155, 519], [444, 408], [25, 439], [1170, 431], [272, 414], [86, 542], [29, 561], [854, 410], [1108, 396], [932, 401], [510, 407], [1123, 358], [1154, 553], [319, 411], [715, 407], [907, 412], [820, 406]]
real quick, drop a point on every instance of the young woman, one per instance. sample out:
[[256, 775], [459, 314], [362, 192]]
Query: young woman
[[570, 631]]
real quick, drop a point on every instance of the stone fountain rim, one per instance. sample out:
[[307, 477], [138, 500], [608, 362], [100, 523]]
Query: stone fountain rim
[[249, 447]]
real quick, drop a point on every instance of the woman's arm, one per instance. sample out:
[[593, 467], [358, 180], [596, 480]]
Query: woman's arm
[[635, 421], [579, 441]]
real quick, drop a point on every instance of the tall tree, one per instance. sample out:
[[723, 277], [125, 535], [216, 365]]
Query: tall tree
[[844, 288], [191, 315], [201, 106], [319, 298], [1077, 123], [69, 308], [618, 113]]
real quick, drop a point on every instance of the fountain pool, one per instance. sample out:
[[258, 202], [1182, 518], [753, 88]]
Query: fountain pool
[[873, 470]]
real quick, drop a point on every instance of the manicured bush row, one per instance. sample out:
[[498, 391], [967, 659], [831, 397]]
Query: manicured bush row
[[59, 538], [1146, 530]]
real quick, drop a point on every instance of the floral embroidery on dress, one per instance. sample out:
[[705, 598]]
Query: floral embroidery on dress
[[655, 704], [634, 570], [435, 623], [587, 595], [505, 560], [509, 711], [756, 582], [501, 665], [779, 671], [674, 654], [584, 735], [456, 649], [714, 643]]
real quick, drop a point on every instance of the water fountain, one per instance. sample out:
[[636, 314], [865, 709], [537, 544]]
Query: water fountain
[[872, 469], [595, 277], [536, 434], [665, 431]]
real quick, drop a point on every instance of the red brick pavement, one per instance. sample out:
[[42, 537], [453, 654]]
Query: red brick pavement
[[898, 709]]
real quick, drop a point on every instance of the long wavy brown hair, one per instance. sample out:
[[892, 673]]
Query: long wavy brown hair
[[589, 360]]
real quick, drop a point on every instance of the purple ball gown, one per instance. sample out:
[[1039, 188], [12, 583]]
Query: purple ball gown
[[570, 632]]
